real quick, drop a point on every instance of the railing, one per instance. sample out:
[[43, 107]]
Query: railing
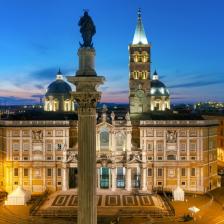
[[34, 123], [180, 122]]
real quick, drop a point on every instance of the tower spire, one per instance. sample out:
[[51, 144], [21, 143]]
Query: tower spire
[[139, 36]]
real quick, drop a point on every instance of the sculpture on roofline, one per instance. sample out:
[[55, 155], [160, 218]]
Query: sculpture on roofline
[[87, 29]]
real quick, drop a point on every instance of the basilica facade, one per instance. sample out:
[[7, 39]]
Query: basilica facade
[[142, 148]]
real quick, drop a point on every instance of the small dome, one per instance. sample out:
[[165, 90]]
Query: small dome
[[158, 88], [59, 88]]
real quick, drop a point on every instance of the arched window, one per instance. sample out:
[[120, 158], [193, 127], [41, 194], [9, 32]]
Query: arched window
[[104, 139]]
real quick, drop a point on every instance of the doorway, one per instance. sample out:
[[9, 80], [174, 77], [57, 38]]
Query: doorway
[[73, 177]]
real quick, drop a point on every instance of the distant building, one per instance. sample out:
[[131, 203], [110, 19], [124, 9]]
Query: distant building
[[58, 96], [145, 94]]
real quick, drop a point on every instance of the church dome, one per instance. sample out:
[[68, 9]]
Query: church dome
[[158, 88], [59, 88]]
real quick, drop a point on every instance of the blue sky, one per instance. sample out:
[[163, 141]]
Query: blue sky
[[39, 36]]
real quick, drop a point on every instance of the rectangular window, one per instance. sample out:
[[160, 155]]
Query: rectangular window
[[25, 172], [25, 158], [15, 158], [183, 147], [183, 172], [193, 172], [149, 172], [149, 146], [16, 172], [59, 172], [48, 146], [49, 172], [159, 172], [26, 147], [159, 158], [159, 146], [159, 183], [193, 146], [183, 183], [59, 146], [193, 158], [15, 146], [183, 157], [49, 157], [59, 183], [150, 158], [59, 158]]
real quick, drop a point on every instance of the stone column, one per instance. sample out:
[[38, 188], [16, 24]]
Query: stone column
[[143, 179], [128, 179], [65, 179], [87, 96], [113, 175]]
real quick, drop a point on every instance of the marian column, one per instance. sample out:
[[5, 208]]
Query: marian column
[[87, 96]]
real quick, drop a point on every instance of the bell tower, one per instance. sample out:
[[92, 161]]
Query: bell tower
[[139, 70]]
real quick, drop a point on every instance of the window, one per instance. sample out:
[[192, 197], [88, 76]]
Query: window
[[193, 158], [59, 172], [159, 183], [26, 146], [159, 172], [59, 158], [183, 183], [192, 172], [16, 172], [149, 146], [25, 158], [49, 157], [193, 146], [159, 158], [183, 157], [15, 146], [15, 158], [59, 133], [183, 172], [25, 172], [160, 146], [150, 158], [59, 183], [16, 183], [59, 146], [149, 172], [183, 146], [193, 133], [171, 157], [49, 172], [48, 146]]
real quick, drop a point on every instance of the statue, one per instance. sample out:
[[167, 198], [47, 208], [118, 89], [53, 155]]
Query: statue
[[87, 29]]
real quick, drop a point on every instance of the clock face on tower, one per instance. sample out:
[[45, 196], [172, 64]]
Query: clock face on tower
[[140, 93]]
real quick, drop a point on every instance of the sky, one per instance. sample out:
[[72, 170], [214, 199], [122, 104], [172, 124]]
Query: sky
[[39, 36]]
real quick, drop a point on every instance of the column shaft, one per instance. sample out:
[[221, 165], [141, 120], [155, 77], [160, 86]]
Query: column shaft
[[87, 213]]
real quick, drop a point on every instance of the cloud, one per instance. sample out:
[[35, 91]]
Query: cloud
[[12, 100], [196, 84], [39, 86], [37, 96]]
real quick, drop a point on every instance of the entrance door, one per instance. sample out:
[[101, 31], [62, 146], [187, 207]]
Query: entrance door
[[73, 180], [104, 177]]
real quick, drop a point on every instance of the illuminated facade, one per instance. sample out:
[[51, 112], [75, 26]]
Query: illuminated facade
[[145, 94], [42, 154]]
